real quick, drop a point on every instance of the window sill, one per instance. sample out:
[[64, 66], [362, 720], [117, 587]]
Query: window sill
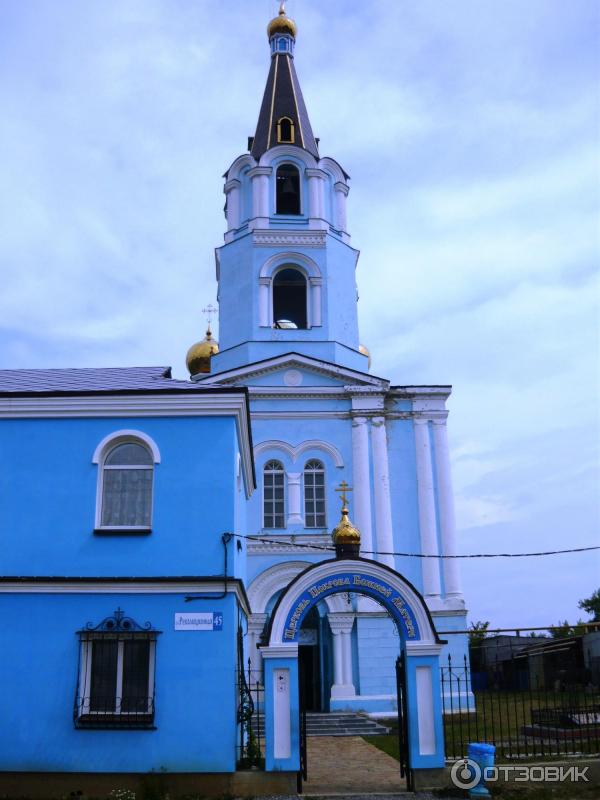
[[122, 531], [112, 722]]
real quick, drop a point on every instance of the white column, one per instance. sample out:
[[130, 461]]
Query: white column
[[381, 491], [446, 508], [341, 628], [341, 193], [260, 194], [315, 291], [264, 286], [294, 482], [427, 520], [316, 193], [361, 477], [233, 194], [256, 624]]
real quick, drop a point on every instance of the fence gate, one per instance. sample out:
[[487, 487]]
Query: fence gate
[[303, 773], [403, 740]]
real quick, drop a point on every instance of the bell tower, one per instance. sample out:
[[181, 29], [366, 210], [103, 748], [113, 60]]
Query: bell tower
[[286, 272]]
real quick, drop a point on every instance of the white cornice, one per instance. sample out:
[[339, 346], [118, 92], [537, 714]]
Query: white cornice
[[120, 587], [191, 404]]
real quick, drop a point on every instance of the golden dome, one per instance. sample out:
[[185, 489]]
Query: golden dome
[[365, 351], [282, 24], [198, 356], [345, 532]]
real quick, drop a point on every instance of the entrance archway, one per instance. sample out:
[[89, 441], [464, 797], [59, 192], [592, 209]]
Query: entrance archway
[[418, 641]]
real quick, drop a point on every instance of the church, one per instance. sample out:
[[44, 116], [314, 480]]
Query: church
[[159, 536]]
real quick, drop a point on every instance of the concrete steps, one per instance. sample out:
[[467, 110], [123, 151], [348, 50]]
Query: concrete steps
[[336, 724]]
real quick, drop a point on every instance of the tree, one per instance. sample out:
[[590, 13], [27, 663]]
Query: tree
[[564, 629], [591, 605], [477, 633]]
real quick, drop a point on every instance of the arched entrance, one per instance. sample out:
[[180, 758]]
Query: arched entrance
[[419, 643]]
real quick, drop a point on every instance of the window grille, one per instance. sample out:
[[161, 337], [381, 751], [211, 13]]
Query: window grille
[[314, 495], [274, 495], [116, 674]]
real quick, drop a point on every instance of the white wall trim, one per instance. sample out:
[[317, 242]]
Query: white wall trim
[[290, 258], [277, 577], [119, 587], [125, 435], [295, 452]]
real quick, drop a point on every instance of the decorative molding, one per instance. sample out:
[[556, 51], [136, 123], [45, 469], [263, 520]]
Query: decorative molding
[[125, 435], [272, 264], [295, 452], [262, 548], [280, 651], [423, 649], [293, 377], [276, 578], [296, 360], [297, 239]]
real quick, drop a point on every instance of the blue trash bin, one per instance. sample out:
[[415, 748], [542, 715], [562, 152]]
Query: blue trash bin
[[483, 756]]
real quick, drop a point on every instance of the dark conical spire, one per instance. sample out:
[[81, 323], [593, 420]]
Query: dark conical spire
[[283, 117]]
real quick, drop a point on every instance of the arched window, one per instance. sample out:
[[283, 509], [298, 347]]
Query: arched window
[[287, 190], [314, 495], [285, 131], [289, 299], [127, 473], [273, 495]]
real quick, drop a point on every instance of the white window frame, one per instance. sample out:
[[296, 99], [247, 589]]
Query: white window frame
[[85, 677], [285, 497], [100, 454], [288, 163], [314, 527]]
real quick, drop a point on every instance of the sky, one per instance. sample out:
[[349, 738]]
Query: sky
[[470, 129]]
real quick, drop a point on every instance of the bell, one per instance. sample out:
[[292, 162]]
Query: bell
[[288, 186]]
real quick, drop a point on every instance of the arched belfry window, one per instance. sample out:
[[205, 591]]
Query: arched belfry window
[[285, 131], [289, 299], [287, 190], [273, 495], [127, 473], [314, 494]]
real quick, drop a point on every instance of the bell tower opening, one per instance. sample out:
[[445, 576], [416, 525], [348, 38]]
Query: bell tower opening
[[287, 184], [289, 299]]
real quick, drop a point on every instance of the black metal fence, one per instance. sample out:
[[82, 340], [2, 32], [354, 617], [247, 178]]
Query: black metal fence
[[533, 721], [251, 732]]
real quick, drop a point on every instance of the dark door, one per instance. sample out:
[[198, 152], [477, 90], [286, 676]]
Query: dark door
[[309, 676], [403, 740]]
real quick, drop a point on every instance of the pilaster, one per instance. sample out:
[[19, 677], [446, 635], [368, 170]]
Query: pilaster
[[446, 508], [341, 628], [381, 490], [427, 517]]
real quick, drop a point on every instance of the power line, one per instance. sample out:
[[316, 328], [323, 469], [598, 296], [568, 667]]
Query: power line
[[331, 549]]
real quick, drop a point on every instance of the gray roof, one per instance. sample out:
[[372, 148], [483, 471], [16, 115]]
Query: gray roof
[[283, 98], [112, 379]]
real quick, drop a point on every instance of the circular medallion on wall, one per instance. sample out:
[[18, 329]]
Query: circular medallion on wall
[[292, 377]]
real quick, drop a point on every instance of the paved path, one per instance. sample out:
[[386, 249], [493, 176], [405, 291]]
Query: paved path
[[349, 765]]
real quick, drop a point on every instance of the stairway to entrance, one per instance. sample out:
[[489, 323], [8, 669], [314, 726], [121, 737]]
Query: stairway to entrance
[[334, 724], [342, 724]]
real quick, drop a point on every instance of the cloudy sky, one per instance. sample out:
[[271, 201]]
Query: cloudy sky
[[471, 131]]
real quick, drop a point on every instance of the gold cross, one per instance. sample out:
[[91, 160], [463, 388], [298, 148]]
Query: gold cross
[[342, 489], [209, 311]]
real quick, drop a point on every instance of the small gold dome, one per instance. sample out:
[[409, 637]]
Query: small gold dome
[[199, 354], [365, 351], [345, 532], [282, 24]]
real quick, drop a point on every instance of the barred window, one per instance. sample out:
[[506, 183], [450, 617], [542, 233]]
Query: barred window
[[116, 674], [314, 495], [273, 495], [127, 477]]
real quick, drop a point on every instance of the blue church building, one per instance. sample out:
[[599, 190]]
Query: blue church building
[[157, 534]]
